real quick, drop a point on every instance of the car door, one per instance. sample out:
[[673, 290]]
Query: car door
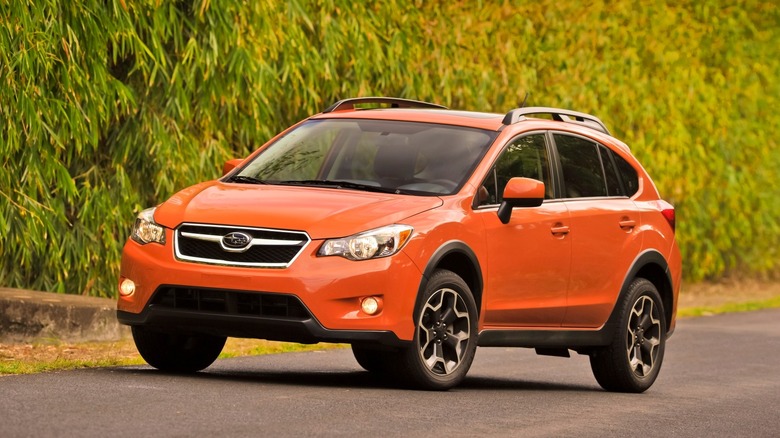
[[527, 258], [604, 229]]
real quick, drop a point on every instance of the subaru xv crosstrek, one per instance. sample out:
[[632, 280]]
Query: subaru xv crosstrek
[[415, 233]]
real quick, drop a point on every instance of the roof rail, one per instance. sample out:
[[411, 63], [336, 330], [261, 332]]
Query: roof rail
[[558, 114], [394, 102]]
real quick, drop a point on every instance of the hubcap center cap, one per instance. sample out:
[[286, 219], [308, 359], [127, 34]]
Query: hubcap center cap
[[440, 332]]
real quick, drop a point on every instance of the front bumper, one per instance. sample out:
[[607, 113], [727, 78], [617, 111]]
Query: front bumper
[[329, 288]]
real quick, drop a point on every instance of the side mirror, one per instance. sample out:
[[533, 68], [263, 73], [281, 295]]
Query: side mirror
[[230, 165], [520, 192]]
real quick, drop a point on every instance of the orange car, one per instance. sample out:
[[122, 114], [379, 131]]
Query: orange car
[[415, 234]]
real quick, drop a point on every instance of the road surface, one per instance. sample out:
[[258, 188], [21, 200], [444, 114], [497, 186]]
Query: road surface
[[720, 378]]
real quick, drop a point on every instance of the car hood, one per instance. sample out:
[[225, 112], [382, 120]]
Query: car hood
[[321, 212]]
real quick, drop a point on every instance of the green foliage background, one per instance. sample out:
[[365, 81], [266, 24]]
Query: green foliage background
[[110, 106]]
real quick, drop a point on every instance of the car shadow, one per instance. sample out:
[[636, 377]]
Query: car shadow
[[355, 380]]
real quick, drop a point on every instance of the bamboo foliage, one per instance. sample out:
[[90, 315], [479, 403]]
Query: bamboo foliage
[[107, 107]]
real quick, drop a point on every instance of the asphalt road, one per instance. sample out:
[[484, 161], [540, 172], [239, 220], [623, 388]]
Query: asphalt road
[[720, 378]]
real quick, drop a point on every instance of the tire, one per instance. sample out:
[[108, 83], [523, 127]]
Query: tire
[[632, 361], [177, 353], [373, 360], [445, 338]]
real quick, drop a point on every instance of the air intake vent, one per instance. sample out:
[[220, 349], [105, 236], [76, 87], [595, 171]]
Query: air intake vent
[[231, 302]]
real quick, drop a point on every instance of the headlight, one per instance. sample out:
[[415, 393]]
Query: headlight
[[145, 230], [381, 242]]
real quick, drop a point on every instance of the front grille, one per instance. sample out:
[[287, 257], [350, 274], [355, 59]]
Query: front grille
[[266, 248], [230, 302]]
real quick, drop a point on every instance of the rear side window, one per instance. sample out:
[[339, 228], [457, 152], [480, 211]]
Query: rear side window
[[583, 175]]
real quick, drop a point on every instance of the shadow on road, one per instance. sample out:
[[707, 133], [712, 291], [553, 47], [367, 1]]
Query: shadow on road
[[352, 380]]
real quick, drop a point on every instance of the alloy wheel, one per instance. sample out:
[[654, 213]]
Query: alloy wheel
[[443, 331], [644, 336]]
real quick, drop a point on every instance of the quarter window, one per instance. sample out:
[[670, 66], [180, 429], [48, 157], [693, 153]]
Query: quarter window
[[628, 175]]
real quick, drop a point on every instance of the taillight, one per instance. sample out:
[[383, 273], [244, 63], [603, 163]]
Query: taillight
[[667, 210]]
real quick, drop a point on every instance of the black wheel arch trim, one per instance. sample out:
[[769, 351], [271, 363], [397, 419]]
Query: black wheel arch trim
[[644, 259], [448, 248]]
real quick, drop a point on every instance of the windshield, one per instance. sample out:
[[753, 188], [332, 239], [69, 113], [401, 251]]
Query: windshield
[[374, 155]]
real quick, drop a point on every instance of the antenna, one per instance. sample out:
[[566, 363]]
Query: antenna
[[525, 99]]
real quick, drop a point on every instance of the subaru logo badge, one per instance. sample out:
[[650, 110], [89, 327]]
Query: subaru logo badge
[[236, 240]]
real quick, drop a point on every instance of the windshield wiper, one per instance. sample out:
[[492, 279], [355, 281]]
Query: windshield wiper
[[365, 187], [308, 182], [335, 184], [246, 179]]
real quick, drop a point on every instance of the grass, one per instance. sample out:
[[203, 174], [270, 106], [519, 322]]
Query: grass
[[37, 366], [51, 355], [747, 306]]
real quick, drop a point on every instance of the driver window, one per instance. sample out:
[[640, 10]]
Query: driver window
[[524, 157]]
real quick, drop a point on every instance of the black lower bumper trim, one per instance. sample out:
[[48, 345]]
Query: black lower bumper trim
[[304, 331]]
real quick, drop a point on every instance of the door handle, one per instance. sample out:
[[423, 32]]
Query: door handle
[[559, 229], [627, 224]]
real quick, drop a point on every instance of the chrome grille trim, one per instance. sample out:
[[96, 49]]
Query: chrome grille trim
[[253, 242], [272, 240]]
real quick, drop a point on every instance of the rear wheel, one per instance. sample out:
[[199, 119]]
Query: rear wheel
[[445, 336], [177, 353], [632, 361]]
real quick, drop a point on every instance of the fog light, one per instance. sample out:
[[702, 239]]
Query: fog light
[[127, 287], [371, 305]]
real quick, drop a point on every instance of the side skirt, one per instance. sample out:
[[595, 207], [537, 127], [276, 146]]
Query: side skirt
[[547, 339]]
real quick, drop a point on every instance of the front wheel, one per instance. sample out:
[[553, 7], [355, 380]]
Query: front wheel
[[372, 360], [632, 361], [445, 337], [177, 353]]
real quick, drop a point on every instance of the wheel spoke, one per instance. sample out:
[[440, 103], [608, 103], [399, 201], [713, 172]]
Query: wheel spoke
[[638, 353], [645, 321], [432, 312], [650, 351], [450, 365], [435, 355], [630, 337], [647, 354], [653, 342], [454, 341], [425, 343], [448, 315]]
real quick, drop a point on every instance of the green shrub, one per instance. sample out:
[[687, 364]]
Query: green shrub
[[111, 106]]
